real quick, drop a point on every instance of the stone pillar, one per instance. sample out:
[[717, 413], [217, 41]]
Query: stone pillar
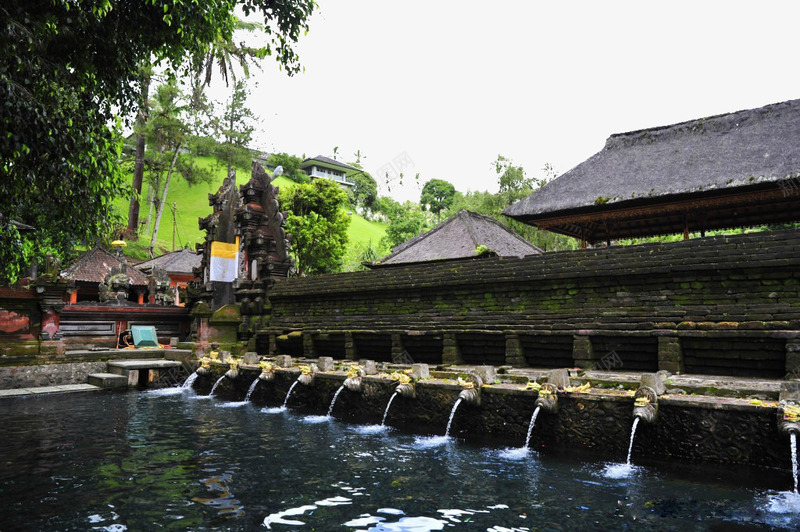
[[397, 347], [308, 345], [273, 344], [514, 354], [451, 355], [350, 351], [670, 354], [793, 358], [583, 352]]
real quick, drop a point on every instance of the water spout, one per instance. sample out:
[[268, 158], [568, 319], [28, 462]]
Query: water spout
[[333, 401], [213, 388], [531, 424], [289, 393], [190, 380], [306, 375], [472, 390], [548, 398], [645, 404], [251, 389], [267, 372], [452, 415], [389, 404], [406, 390], [633, 434]]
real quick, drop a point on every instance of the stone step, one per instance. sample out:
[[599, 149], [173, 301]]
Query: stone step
[[108, 380]]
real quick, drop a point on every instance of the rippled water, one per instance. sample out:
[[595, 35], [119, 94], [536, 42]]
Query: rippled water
[[144, 461]]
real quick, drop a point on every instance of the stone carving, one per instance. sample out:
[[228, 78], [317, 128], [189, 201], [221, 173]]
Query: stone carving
[[158, 287], [116, 286]]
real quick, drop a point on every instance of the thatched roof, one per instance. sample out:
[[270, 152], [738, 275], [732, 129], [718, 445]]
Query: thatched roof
[[457, 238], [182, 261], [95, 264], [752, 151]]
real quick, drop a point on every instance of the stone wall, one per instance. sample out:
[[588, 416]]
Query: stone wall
[[48, 375], [719, 305], [687, 429]]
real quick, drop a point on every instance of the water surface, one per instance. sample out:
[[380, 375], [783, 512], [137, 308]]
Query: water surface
[[144, 461]]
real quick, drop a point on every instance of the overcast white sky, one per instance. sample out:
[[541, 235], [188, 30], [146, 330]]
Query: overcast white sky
[[453, 84]]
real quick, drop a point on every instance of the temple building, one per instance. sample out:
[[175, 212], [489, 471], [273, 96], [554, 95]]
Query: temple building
[[459, 237], [179, 266], [732, 170], [94, 268]]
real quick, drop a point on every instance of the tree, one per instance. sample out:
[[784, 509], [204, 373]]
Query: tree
[[66, 70], [405, 222], [364, 192], [318, 225], [437, 195], [291, 166], [167, 131], [146, 72], [236, 129]]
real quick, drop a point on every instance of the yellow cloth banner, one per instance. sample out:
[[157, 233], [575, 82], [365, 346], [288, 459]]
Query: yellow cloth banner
[[224, 261]]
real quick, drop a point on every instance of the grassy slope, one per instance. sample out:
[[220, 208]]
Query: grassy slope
[[192, 204]]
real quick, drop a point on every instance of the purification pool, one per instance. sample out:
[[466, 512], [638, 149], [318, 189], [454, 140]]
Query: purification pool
[[175, 461]]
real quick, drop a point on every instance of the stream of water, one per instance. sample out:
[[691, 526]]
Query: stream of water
[[251, 389], [333, 401], [211, 393], [452, 415], [388, 405], [289, 393]]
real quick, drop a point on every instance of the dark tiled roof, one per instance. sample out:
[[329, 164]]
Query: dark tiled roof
[[720, 153], [182, 261], [95, 264], [457, 237], [327, 160]]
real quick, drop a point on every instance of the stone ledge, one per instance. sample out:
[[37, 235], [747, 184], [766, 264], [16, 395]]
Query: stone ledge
[[108, 380]]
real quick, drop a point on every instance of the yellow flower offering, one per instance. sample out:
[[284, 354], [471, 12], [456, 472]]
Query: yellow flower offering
[[305, 369], [401, 378], [467, 385], [532, 386], [578, 389], [791, 413], [353, 372], [641, 401], [265, 366], [214, 355]]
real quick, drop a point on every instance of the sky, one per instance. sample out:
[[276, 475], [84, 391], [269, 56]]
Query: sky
[[441, 88]]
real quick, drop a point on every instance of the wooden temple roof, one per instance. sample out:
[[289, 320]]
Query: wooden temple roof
[[732, 170]]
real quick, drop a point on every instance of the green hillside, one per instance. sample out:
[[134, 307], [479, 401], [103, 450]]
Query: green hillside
[[192, 204]]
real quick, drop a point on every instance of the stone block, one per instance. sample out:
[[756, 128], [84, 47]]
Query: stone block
[[283, 361], [654, 381], [790, 391], [251, 358], [558, 378], [488, 374], [325, 363], [420, 371], [108, 380], [370, 368]]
